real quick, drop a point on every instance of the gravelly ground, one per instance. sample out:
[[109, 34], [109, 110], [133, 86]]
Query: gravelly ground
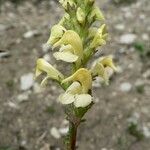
[[27, 117]]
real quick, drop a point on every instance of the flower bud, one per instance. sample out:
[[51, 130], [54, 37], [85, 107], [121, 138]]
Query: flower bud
[[67, 4], [100, 37], [44, 67], [70, 37], [89, 2], [108, 62], [80, 15], [57, 32], [96, 14], [100, 68], [64, 19]]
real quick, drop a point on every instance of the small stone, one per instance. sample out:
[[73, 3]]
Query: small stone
[[119, 69], [23, 97], [30, 34], [120, 27], [134, 118], [128, 14], [146, 74], [125, 87], [65, 122], [2, 27], [139, 82], [146, 132], [145, 36], [12, 105], [64, 131], [45, 147], [4, 54], [23, 143], [142, 16], [55, 133], [26, 81], [127, 39]]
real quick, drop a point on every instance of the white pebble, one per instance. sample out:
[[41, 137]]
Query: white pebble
[[145, 36], [146, 132], [146, 74], [23, 97], [26, 81], [125, 87], [120, 27], [30, 34], [55, 133], [64, 131], [12, 105], [2, 27], [127, 38]]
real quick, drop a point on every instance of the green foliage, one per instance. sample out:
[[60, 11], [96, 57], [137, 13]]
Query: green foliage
[[140, 89], [5, 148], [140, 47], [135, 131], [10, 84], [50, 110]]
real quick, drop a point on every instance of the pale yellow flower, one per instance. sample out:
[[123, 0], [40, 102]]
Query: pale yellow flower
[[100, 37], [44, 67], [80, 15], [57, 32], [64, 19], [108, 62], [73, 49], [97, 14], [100, 68], [66, 3], [83, 76], [77, 92]]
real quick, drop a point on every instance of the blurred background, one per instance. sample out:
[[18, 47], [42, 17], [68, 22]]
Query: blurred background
[[30, 116]]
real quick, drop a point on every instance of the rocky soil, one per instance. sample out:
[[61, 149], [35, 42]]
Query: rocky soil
[[30, 116]]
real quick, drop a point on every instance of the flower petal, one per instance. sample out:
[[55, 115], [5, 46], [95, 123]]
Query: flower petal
[[72, 38], [80, 15], [82, 100], [66, 98], [75, 88], [83, 76], [66, 56], [57, 32], [99, 70], [108, 61], [43, 66]]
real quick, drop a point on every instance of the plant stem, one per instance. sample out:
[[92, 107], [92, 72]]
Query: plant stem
[[72, 134]]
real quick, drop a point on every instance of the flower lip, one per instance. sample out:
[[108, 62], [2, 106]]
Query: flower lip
[[74, 95]]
